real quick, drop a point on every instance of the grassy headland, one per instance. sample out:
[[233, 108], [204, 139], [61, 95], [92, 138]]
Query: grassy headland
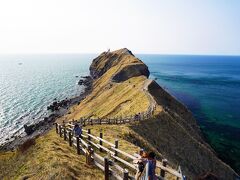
[[121, 88]]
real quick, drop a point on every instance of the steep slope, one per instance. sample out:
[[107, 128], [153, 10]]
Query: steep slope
[[109, 97], [121, 87], [47, 157]]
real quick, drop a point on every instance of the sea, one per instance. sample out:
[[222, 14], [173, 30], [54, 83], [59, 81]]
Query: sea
[[29, 83], [208, 85]]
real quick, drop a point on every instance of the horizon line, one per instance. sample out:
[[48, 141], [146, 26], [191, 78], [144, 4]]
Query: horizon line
[[168, 54]]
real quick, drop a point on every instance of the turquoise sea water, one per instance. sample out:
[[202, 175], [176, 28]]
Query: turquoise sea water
[[210, 87], [29, 83]]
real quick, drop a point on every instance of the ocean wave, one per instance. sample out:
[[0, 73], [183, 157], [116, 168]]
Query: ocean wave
[[27, 90]]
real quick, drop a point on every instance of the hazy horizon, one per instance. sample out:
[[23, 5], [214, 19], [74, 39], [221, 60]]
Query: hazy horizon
[[170, 27], [97, 53]]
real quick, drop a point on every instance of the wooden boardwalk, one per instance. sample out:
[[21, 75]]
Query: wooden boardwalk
[[115, 163]]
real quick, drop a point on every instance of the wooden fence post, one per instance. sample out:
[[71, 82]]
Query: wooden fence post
[[70, 138], [106, 168], [125, 174], [100, 121], [89, 153], [162, 172], [78, 145], [56, 127], [116, 146], [65, 134], [100, 141], [89, 132], [91, 122], [60, 130]]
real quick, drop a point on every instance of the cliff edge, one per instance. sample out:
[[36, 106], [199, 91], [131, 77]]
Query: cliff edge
[[121, 88]]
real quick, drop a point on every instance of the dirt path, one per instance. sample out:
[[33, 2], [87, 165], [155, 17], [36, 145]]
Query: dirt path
[[149, 96]]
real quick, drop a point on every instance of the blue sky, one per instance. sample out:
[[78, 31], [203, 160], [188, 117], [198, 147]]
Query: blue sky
[[144, 26]]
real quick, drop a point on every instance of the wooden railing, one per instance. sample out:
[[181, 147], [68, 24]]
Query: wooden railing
[[117, 120], [107, 156]]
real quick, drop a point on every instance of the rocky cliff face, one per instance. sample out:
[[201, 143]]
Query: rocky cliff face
[[107, 60], [180, 138], [121, 87]]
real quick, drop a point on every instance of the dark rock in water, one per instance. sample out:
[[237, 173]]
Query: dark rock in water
[[45, 119], [84, 77], [56, 105], [29, 129], [80, 82], [86, 81], [76, 76]]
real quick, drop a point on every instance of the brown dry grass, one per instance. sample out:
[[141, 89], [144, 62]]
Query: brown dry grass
[[49, 158], [130, 141], [118, 99], [109, 99]]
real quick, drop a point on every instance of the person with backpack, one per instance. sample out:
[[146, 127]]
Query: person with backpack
[[151, 167], [77, 130]]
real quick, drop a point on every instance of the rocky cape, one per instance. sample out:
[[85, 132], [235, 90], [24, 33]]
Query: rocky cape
[[172, 131], [119, 86]]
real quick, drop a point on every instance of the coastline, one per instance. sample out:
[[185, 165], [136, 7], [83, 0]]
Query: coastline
[[125, 85], [57, 108]]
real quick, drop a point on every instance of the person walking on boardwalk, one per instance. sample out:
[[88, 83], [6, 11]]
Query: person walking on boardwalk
[[77, 130], [150, 167], [141, 162]]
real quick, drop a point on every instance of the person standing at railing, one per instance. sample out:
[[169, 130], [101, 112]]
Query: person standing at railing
[[77, 130], [151, 167], [141, 162]]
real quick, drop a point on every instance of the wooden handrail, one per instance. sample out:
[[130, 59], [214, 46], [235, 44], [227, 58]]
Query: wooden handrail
[[95, 155], [124, 153], [94, 144], [124, 162], [92, 136], [103, 140], [99, 165], [64, 130], [171, 171]]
